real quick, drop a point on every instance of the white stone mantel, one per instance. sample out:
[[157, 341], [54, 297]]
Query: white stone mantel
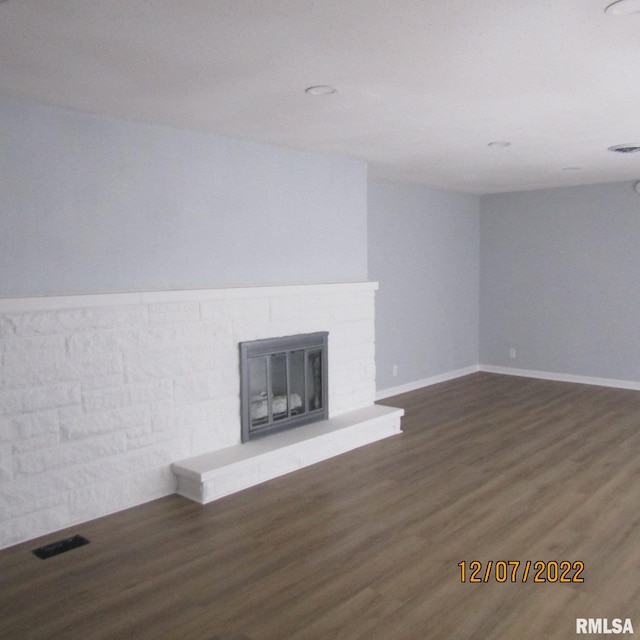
[[84, 300]]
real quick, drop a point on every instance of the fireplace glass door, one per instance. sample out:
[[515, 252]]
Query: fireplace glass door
[[283, 383]]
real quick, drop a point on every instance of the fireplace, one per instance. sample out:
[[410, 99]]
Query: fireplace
[[283, 383]]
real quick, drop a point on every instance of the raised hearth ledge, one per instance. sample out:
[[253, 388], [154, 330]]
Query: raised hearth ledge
[[210, 476]]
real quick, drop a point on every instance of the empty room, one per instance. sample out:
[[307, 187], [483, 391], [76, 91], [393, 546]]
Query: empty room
[[319, 320]]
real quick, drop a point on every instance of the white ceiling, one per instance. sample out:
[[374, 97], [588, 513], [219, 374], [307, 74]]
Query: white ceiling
[[423, 86]]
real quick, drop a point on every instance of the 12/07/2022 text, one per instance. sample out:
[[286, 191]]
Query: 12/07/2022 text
[[517, 571]]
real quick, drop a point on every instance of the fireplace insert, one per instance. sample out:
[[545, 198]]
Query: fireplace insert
[[283, 383]]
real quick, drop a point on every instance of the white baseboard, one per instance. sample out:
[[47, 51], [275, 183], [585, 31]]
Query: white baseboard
[[508, 371], [426, 382], [562, 377]]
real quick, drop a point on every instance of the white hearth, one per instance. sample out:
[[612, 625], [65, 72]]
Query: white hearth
[[210, 476]]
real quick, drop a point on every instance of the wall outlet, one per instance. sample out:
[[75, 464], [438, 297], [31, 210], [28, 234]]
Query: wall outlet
[[394, 370], [512, 353]]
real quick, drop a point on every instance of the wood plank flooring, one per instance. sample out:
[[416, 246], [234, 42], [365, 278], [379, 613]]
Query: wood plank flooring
[[366, 546]]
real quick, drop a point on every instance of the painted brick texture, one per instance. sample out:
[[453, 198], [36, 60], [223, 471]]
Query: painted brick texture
[[100, 394]]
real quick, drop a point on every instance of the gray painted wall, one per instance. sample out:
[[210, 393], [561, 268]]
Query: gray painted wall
[[96, 204], [424, 251], [560, 281]]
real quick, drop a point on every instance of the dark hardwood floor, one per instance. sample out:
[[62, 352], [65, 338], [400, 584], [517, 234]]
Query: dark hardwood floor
[[367, 546]]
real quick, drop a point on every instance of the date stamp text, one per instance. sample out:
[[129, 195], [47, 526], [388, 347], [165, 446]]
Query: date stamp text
[[516, 571]]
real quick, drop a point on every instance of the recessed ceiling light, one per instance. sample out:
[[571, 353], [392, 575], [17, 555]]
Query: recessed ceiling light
[[499, 144], [320, 90], [629, 147], [623, 8]]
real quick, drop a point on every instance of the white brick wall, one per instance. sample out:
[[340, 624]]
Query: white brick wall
[[100, 393]]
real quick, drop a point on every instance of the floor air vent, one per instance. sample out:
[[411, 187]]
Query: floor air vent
[[55, 548]]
